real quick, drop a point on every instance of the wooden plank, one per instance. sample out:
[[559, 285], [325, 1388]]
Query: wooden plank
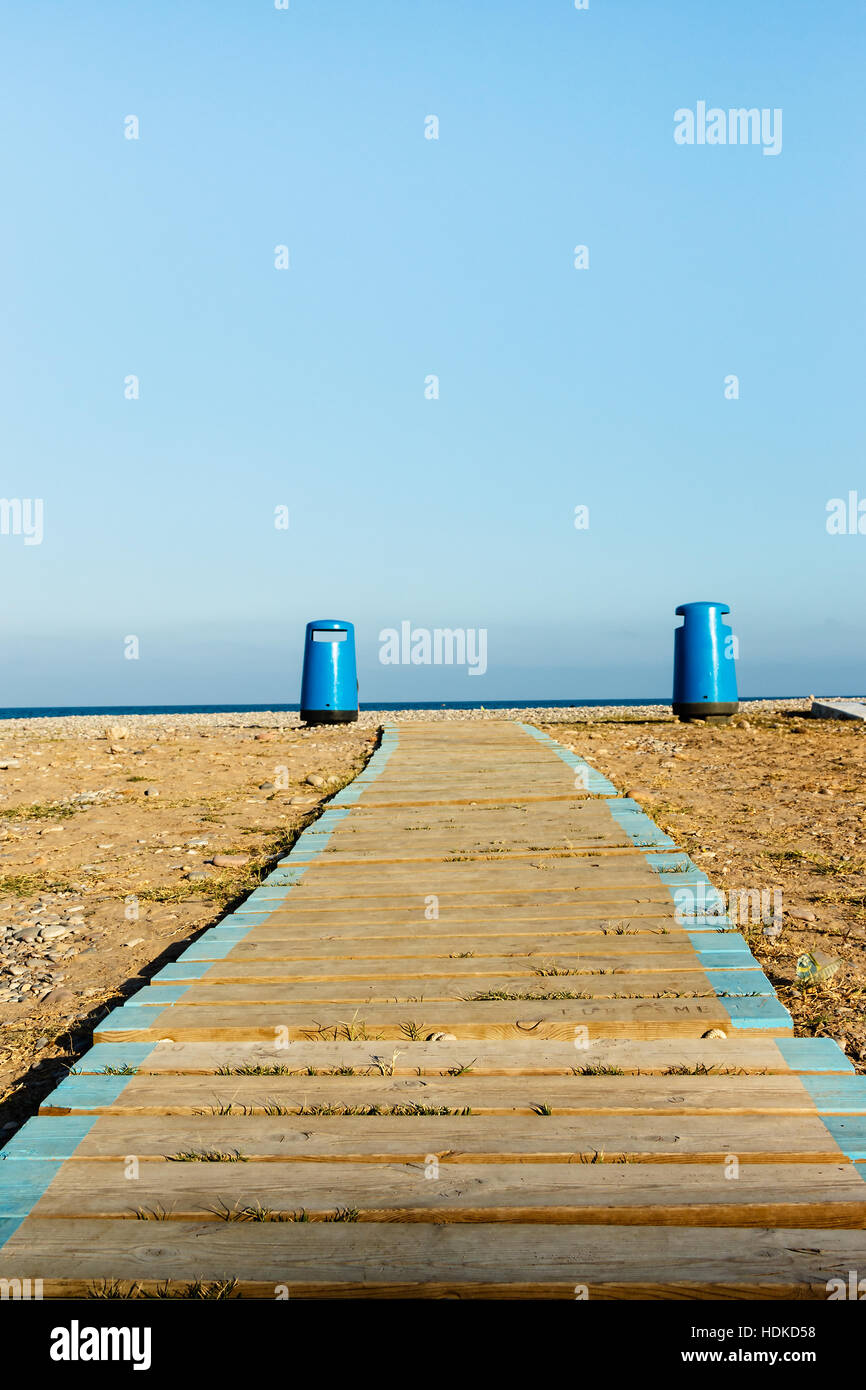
[[424, 954], [627, 1018], [508, 1138], [778, 1195], [411, 989], [234, 969], [744, 1054], [429, 1260], [454, 1096]]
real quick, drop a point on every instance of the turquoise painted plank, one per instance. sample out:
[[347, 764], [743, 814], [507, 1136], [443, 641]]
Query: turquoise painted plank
[[762, 1012], [709, 924], [698, 905], [172, 974], [8, 1227], [102, 1055], [126, 1019], [206, 950], [22, 1184], [837, 1095], [814, 1054], [49, 1137], [682, 879], [850, 1135], [86, 1092], [243, 918], [739, 961], [711, 943], [157, 996], [739, 982]]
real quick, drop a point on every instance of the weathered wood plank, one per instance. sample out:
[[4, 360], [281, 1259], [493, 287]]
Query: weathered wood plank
[[776, 1195], [744, 1054], [455, 1096], [409, 1139], [383, 1260]]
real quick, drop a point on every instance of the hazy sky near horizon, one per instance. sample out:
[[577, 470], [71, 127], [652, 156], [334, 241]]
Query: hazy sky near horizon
[[409, 258]]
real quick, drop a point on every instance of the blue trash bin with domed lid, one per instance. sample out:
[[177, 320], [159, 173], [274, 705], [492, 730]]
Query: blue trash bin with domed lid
[[329, 684], [705, 676]]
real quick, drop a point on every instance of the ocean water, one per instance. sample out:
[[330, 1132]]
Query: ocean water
[[55, 710]]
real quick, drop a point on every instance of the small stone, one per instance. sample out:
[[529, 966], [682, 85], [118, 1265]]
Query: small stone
[[115, 732], [264, 738], [715, 1033], [28, 934], [197, 874], [135, 941], [230, 861], [802, 914], [53, 933], [267, 787], [151, 791], [59, 996], [302, 801], [315, 780]]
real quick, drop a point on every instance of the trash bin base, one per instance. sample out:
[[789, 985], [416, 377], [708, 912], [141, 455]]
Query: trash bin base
[[706, 709], [328, 716]]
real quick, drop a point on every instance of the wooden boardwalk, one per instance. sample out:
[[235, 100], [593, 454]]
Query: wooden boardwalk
[[464, 1040]]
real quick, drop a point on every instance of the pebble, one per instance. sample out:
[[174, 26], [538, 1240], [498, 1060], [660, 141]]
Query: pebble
[[267, 787], [151, 791], [135, 941], [55, 932], [230, 861], [315, 780], [802, 914]]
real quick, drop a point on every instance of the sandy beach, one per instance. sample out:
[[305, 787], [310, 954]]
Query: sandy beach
[[120, 842]]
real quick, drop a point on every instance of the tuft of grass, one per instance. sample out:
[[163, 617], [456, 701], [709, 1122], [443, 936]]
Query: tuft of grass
[[28, 885], [254, 1211], [256, 1069], [49, 810], [489, 994], [199, 1288], [542, 1109], [157, 1213], [461, 1068], [412, 1030], [207, 1156], [597, 1069]]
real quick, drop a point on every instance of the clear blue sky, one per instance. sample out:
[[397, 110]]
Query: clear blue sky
[[410, 256]]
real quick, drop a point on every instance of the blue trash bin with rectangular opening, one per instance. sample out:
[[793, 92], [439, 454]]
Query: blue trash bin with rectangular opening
[[705, 676], [329, 684]]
